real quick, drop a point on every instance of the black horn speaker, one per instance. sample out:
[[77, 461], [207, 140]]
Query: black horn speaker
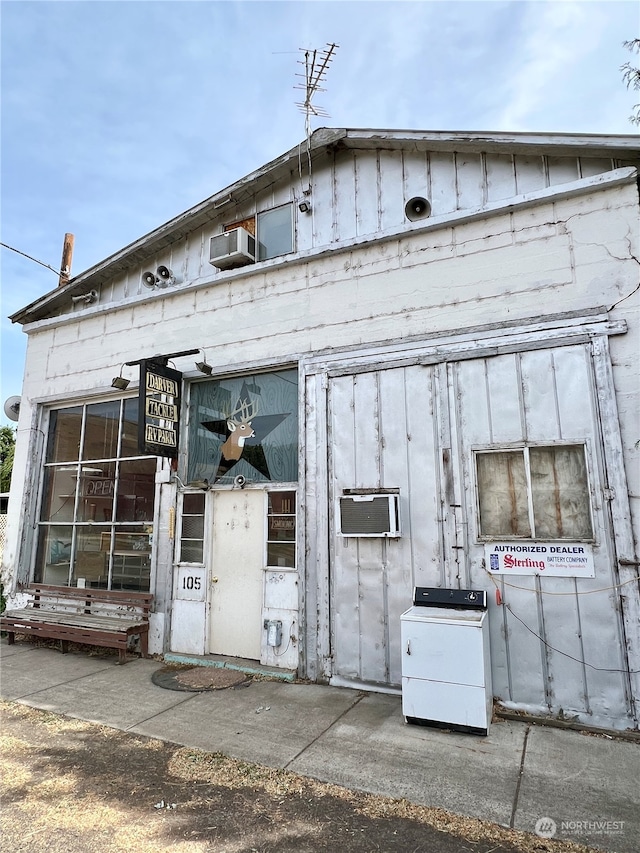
[[417, 208]]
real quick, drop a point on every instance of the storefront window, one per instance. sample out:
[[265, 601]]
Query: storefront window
[[96, 515], [244, 426]]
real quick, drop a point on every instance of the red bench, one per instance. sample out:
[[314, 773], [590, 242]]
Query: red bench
[[96, 617]]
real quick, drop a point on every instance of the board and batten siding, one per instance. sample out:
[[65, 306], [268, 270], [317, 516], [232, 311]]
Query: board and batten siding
[[359, 193], [558, 645]]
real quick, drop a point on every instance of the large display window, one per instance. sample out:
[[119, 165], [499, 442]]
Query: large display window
[[97, 508]]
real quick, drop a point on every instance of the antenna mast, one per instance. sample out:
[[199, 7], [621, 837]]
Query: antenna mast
[[316, 63]]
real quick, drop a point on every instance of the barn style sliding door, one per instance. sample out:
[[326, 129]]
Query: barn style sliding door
[[501, 451]]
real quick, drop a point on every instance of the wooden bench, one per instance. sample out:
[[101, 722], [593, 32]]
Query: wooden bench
[[96, 617]]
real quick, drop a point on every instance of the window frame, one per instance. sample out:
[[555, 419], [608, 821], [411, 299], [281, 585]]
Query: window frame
[[77, 526], [271, 514], [178, 559], [264, 213], [525, 450]]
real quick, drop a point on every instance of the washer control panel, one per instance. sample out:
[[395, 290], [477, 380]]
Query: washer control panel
[[462, 599]]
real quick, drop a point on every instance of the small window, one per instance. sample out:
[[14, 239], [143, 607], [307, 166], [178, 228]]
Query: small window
[[192, 528], [281, 530], [534, 493], [275, 232]]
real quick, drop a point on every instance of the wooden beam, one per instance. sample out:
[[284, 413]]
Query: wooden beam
[[65, 263]]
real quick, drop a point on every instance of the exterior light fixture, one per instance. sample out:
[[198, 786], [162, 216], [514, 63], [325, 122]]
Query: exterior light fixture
[[202, 366], [304, 207], [120, 382]]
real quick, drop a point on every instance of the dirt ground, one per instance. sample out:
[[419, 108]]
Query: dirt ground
[[72, 787]]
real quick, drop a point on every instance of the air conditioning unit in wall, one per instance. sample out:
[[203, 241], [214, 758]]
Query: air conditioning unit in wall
[[370, 515], [234, 248]]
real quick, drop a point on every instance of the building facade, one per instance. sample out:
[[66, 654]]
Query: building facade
[[386, 359]]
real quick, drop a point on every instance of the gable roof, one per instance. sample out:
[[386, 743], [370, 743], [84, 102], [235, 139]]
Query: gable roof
[[321, 141]]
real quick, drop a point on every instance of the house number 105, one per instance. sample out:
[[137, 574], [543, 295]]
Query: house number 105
[[189, 582]]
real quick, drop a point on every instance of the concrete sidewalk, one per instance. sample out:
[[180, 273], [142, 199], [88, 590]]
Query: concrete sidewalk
[[518, 776]]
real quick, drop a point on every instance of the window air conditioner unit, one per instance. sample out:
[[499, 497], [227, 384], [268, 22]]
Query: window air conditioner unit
[[370, 515], [234, 248]]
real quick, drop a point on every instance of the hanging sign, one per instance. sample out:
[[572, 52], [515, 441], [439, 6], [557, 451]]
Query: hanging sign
[[553, 559], [159, 409]]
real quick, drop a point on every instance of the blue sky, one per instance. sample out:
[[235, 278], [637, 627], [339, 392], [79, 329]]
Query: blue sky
[[119, 115]]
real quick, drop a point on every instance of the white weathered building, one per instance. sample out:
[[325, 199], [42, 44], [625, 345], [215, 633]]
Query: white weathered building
[[448, 321]]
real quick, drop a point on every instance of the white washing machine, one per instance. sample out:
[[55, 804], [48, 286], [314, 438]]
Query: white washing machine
[[446, 665]]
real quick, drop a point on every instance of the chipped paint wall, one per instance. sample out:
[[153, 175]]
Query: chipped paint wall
[[555, 255], [360, 193]]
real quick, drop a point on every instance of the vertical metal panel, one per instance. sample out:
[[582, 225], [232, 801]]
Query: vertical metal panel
[[344, 196], [594, 166], [409, 463], [469, 181], [366, 194], [501, 179], [345, 598], [622, 552], [391, 195], [530, 173], [323, 204], [415, 175], [315, 609], [572, 370], [443, 183], [372, 635], [562, 170], [549, 626], [503, 391], [539, 395], [480, 391], [382, 435]]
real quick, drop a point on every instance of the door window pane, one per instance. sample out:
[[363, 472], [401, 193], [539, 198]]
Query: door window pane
[[192, 529], [561, 505], [281, 530], [502, 492]]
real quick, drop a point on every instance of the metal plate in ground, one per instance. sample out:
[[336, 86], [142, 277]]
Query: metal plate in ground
[[198, 678]]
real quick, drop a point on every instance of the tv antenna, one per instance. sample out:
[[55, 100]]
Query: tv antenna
[[316, 64]]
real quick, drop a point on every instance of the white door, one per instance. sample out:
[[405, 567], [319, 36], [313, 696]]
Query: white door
[[236, 573]]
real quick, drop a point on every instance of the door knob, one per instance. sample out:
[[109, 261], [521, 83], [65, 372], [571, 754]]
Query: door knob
[[214, 580]]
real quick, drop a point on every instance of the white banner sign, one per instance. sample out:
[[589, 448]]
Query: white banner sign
[[540, 558]]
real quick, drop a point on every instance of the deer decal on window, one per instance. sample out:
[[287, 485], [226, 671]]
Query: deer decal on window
[[240, 429], [244, 430]]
